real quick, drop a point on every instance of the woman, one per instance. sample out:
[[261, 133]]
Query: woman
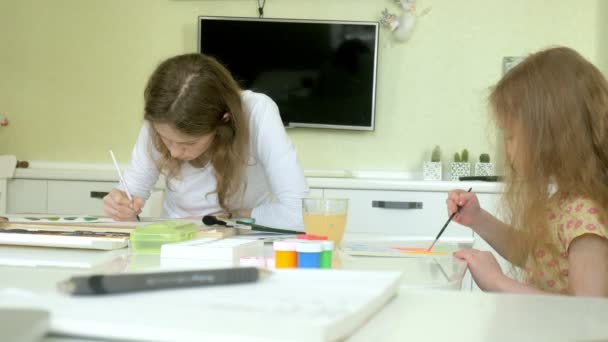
[[220, 148]]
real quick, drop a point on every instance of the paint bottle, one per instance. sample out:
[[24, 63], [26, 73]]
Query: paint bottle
[[326, 254], [285, 254], [310, 237], [309, 254]]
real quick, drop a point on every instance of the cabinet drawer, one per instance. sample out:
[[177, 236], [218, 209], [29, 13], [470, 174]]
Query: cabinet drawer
[[26, 196], [315, 192], [77, 197], [407, 213]]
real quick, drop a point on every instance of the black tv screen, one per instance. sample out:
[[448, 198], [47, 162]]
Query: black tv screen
[[320, 73]]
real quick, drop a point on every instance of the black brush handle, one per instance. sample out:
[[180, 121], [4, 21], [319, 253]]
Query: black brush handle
[[445, 225]]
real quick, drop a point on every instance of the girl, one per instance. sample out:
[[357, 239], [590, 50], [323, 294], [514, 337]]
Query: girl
[[553, 110], [221, 149]]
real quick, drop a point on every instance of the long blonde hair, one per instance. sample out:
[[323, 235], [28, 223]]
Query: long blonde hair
[[192, 92], [557, 103]]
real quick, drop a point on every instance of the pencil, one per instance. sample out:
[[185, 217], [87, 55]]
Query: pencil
[[122, 180]]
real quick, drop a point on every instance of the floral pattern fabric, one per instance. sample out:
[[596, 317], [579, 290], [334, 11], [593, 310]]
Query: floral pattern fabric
[[568, 220]]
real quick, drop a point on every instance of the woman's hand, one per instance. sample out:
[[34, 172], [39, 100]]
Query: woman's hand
[[470, 211], [116, 205], [484, 268]]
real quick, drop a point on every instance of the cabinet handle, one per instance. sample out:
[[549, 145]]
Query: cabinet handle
[[99, 194], [396, 205]]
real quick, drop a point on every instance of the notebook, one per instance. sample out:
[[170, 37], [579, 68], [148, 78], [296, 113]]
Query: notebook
[[291, 305]]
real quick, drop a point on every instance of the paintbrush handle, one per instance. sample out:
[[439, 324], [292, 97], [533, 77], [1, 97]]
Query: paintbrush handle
[[446, 224], [442, 229]]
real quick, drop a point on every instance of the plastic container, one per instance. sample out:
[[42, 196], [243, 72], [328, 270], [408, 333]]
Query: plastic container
[[285, 254], [148, 239], [418, 273], [253, 261], [327, 253], [309, 254]]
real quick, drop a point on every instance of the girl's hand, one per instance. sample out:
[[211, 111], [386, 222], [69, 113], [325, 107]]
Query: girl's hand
[[483, 267], [116, 205], [469, 207]]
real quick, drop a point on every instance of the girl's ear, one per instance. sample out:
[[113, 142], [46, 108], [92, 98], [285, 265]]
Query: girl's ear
[[226, 117]]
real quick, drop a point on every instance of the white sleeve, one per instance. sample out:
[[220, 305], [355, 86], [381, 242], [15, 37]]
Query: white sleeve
[[278, 156], [142, 173]]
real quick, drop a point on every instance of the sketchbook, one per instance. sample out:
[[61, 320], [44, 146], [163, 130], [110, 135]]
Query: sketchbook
[[401, 249], [290, 305]]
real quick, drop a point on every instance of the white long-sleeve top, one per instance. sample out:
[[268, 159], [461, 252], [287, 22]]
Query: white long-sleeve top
[[275, 182]]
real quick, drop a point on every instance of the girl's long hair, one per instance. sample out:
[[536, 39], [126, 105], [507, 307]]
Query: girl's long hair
[[192, 92], [556, 103]]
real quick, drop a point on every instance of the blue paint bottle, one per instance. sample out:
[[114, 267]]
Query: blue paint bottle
[[309, 254]]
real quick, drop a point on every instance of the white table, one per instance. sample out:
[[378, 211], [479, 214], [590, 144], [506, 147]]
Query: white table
[[413, 314]]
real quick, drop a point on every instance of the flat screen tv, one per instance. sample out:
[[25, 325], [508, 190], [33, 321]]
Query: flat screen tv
[[320, 73]]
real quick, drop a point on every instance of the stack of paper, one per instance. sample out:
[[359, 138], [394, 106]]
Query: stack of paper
[[291, 305]]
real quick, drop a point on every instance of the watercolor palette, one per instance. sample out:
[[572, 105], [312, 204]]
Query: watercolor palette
[[61, 219]]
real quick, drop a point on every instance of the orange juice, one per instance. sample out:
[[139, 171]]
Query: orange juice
[[325, 224]]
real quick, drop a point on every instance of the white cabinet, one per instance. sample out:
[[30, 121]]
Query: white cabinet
[[27, 196], [56, 197], [315, 192], [77, 197], [411, 213]]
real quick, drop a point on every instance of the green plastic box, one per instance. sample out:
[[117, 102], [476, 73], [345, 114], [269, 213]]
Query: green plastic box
[[148, 239]]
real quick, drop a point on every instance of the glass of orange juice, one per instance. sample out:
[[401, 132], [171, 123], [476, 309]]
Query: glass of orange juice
[[325, 217]]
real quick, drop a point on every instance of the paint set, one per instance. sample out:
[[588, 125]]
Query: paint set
[[306, 251]]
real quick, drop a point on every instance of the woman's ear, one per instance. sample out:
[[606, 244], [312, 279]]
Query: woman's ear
[[226, 117]]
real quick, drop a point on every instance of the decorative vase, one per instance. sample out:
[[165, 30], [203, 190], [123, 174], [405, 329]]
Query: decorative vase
[[459, 169], [484, 169], [431, 171]]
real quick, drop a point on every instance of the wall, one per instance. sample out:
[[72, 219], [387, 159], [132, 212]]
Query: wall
[[73, 72], [603, 36]]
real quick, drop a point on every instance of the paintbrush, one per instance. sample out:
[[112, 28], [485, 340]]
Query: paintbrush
[[445, 225], [210, 220], [122, 181]]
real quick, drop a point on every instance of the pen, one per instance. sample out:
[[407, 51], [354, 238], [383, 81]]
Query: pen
[[122, 180], [133, 282], [445, 226]]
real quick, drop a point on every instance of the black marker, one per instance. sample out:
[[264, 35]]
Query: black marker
[[133, 282]]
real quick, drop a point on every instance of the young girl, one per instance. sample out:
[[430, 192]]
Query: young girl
[[553, 110], [221, 149]]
